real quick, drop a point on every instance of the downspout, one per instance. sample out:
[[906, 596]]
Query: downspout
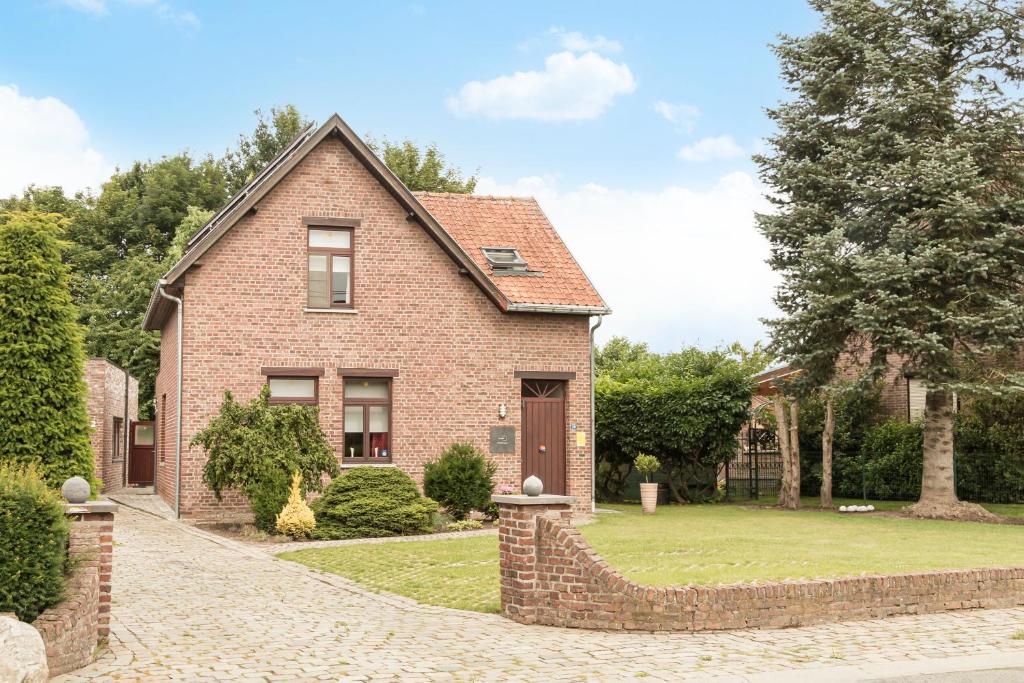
[[593, 421], [125, 426], [177, 417]]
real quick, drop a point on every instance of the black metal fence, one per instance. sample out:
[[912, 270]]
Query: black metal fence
[[756, 472]]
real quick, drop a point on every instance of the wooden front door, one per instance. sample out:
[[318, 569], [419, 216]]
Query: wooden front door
[[140, 454], [543, 439]]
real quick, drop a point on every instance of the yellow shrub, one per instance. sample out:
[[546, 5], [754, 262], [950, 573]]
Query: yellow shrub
[[296, 519]]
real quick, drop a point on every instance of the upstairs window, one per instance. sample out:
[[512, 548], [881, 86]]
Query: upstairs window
[[330, 267], [504, 259]]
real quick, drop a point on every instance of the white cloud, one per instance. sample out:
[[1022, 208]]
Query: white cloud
[[43, 141], [574, 41], [677, 265], [162, 10], [683, 116], [569, 88], [712, 149], [87, 6]]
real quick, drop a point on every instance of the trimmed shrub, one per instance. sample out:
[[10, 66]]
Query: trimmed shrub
[[461, 480], [465, 525], [267, 497], [43, 419], [296, 519], [372, 501], [33, 543], [893, 453]]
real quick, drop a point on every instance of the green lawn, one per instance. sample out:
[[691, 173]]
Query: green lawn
[[700, 544]]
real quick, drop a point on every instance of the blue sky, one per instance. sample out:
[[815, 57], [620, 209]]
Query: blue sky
[[631, 123]]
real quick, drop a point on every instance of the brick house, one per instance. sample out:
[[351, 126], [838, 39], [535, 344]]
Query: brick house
[[412, 320], [112, 405]]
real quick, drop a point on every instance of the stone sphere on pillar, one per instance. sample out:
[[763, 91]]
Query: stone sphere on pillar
[[533, 486], [75, 490]]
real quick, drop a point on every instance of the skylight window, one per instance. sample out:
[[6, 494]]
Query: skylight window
[[504, 259]]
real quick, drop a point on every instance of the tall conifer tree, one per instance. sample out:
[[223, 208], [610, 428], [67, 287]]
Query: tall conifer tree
[[43, 418], [898, 178]]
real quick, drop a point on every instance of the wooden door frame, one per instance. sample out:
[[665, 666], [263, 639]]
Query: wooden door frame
[[562, 379]]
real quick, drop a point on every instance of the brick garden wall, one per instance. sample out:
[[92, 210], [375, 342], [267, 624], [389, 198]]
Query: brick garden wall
[[72, 629], [550, 575], [455, 351], [106, 401]]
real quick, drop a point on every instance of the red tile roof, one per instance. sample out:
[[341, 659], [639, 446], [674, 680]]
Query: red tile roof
[[477, 221]]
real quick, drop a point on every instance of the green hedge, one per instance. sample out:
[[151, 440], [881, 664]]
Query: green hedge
[[33, 543], [372, 501], [461, 480]]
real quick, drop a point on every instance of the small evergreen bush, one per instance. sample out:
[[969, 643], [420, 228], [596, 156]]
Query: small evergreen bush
[[461, 480], [33, 543], [267, 497], [296, 519], [646, 465], [465, 525], [372, 501]]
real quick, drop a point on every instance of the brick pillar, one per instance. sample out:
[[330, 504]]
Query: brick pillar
[[517, 545], [92, 544]]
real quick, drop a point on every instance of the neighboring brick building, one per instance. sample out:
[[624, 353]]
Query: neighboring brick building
[[113, 404], [411, 320], [900, 396]]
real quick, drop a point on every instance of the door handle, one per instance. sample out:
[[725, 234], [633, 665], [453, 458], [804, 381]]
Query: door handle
[[542, 449]]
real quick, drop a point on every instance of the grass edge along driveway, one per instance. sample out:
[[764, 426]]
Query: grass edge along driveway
[[696, 544]]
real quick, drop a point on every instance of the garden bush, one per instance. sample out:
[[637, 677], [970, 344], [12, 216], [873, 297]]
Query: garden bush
[[296, 519], [892, 455], [33, 543], [461, 480], [256, 447], [372, 501]]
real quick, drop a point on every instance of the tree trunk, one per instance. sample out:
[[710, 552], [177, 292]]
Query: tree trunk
[[938, 489], [782, 434], [794, 455], [826, 454]]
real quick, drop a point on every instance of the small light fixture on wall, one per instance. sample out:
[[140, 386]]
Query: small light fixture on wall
[[502, 411]]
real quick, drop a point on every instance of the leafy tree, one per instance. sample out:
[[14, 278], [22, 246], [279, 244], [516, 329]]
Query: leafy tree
[[42, 393], [422, 170], [195, 218], [256, 448], [271, 135], [685, 408], [899, 197]]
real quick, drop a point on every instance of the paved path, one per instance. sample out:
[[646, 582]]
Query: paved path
[[188, 605]]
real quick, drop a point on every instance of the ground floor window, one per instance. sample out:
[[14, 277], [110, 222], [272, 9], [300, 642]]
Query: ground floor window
[[293, 389], [367, 418]]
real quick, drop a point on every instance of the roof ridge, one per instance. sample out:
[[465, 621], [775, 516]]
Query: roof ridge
[[512, 197]]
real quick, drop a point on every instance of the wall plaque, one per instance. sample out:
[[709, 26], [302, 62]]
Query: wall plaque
[[503, 439]]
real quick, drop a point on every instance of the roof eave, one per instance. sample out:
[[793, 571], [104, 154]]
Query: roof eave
[[570, 309]]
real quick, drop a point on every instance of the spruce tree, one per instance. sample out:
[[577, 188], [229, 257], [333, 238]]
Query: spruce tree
[[897, 174], [43, 417]]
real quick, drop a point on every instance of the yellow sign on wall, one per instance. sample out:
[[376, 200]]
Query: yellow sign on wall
[[581, 439]]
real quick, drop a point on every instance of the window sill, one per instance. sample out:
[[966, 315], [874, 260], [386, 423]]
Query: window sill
[[350, 465], [348, 311]]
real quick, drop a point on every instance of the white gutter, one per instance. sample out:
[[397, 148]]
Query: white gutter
[[177, 427], [559, 308], [593, 421]]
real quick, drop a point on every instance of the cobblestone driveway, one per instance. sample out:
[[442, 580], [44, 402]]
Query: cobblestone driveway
[[190, 606]]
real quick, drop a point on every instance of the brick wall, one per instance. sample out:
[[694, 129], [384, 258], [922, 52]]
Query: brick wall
[[550, 575], [106, 400], [456, 352], [72, 629], [166, 409]]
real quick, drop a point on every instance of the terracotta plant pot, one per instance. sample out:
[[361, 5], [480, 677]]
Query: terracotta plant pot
[[649, 497]]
